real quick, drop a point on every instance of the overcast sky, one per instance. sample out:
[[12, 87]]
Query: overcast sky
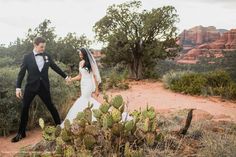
[[17, 16]]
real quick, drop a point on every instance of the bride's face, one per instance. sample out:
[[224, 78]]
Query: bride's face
[[81, 55]]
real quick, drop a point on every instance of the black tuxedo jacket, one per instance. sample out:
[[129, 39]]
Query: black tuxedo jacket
[[34, 75]]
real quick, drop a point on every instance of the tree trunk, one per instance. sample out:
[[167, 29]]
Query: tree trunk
[[136, 62], [136, 68]]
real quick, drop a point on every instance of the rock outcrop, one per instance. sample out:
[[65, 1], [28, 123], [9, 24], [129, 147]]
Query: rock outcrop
[[198, 35], [192, 56], [207, 38], [203, 41]]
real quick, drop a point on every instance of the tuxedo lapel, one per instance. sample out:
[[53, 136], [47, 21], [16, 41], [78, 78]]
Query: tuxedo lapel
[[34, 61], [44, 58]]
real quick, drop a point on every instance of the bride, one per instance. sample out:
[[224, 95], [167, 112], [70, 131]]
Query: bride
[[89, 78]]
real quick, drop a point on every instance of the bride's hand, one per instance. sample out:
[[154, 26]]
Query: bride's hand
[[96, 93]]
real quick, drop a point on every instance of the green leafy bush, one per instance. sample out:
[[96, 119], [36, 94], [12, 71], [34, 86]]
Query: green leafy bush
[[115, 79], [171, 76], [227, 92], [218, 83], [219, 78], [191, 83], [6, 61], [9, 105]]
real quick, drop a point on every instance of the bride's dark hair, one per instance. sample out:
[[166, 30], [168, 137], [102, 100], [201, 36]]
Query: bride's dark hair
[[86, 59]]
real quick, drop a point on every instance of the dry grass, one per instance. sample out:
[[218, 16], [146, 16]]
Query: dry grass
[[204, 139]]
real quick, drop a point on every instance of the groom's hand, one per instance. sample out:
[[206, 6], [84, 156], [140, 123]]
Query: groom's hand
[[19, 94], [68, 80]]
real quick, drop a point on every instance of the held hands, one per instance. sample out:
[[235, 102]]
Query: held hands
[[96, 92], [68, 80]]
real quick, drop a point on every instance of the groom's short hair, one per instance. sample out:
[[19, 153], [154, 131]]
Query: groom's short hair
[[39, 40]]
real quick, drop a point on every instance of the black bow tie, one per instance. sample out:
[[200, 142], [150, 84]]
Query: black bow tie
[[39, 54]]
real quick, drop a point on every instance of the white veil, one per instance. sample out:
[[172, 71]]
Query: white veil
[[94, 65]]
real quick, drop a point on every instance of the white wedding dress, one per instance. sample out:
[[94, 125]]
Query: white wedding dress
[[87, 86]]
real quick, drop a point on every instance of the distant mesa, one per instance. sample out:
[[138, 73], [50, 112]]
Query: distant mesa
[[208, 37], [205, 41]]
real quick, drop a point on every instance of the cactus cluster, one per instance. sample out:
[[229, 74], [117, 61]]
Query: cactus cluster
[[49, 132], [108, 135]]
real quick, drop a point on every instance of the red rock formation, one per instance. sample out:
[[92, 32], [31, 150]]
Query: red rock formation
[[194, 53], [231, 42], [207, 37], [192, 56], [226, 41], [205, 41], [204, 46], [198, 35]]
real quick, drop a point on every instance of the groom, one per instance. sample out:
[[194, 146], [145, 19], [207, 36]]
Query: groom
[[36, 64]]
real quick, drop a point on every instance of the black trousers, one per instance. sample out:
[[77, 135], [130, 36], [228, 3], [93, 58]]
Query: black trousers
[[45, 95]]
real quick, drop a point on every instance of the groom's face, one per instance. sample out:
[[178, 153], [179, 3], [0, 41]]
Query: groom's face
[[40, 47]]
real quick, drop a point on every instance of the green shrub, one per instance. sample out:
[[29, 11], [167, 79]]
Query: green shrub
[[227, 92], [9, 105], [114, 79], [151, 74], [172, 76], [219, 78], [6, 61], [191, 83], [218, 83]]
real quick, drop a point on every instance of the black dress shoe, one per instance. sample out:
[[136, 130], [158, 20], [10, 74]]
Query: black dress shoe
[[18, 137]]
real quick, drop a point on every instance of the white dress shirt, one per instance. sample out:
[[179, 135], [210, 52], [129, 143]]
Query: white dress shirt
[[39, 61]]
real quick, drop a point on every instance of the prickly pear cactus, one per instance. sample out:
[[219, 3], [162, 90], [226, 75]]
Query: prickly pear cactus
[[117, 129], [89, 141], [117, 102], [129, 125], [104, 107], [80, 115], [116, 115], [65, 136], [107, 120], [49, 133], [88, 113], [67, 125], [108, 135], [69, 151], [92, 130], [97, 113]]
